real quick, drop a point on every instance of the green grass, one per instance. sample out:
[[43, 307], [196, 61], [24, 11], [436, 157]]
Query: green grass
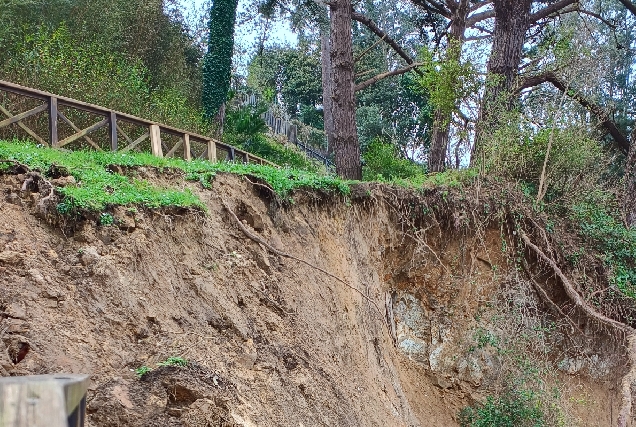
[[174, 361], [98, 188]]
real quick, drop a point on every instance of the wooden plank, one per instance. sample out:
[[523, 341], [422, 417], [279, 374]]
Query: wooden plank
[[76, 129], [25, 128], [22, 116], [53, 135], [82, 133], [138, 141], [124, 134], [175, 148], [211, 151], [41, 400], [112, 130], [155, 141], [187, 151]]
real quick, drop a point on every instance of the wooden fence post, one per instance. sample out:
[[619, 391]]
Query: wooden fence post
[[212, 151], [52, 101], [155, 141], [43, 400], [112, 130], [187, 154]]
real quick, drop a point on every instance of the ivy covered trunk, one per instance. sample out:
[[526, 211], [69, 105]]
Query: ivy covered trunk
[[629, 201], [512, 18], [217, 64], [442, 119], [345, 137]]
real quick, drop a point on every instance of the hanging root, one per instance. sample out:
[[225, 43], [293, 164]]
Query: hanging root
[[629, 333], [257, 239]]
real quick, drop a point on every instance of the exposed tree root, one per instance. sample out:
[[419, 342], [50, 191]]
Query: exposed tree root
[[258, 239], [629, 378]]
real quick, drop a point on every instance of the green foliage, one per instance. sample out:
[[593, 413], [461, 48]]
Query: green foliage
[[53, 60], [447, 81], [174, 361], [99, 188], [246, 121], [516, 149], [382, 162], [106, 219], [609, 236], [217, 64], [513, 408], [142, 370]]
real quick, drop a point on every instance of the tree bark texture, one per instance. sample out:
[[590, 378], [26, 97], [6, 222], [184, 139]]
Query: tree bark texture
[[629, 200], [512, 19], [327, 92], [442, 119], [346, 146]]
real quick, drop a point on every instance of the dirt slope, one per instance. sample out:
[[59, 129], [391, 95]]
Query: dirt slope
[[271, 341]]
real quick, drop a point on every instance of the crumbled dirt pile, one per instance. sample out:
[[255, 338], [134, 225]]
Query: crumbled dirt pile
[[271, 341]]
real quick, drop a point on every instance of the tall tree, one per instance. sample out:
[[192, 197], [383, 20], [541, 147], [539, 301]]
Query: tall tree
[[217, 64], [345, 138]]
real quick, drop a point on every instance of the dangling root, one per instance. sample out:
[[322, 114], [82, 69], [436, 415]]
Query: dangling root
[[257, 239], [629, 332]]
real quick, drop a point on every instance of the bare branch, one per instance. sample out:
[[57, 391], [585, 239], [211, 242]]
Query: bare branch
[[373, 27], [550, 77], [549, 10], [629, 5], [433, 7], [365, 84]]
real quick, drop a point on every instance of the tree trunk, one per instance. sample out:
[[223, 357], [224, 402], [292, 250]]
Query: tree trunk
[[327, 93], [629, 201], [345, 135], [512, 19], [442, 119]]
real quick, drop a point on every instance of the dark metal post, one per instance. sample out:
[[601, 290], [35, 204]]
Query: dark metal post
[[53, 121], [112, 128]]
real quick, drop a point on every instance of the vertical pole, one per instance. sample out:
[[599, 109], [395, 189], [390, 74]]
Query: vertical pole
[[53, 121], [232, 154], [246, 158], [186, 147], [112, 130], [155, 141], [212, 151]]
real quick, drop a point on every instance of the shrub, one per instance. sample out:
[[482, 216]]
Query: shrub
[[514, 408], [382, 162]]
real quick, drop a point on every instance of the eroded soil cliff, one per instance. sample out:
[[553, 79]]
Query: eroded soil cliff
[[433, 283]]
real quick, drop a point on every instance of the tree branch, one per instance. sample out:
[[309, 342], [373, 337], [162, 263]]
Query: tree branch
[[433, 7], [365, 84], [478, 17], [629, 5], [549, 10], [373, 27], [479, 5], [549, 77]]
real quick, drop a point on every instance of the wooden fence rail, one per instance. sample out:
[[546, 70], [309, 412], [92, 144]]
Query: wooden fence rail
[[113, 121], [43, 400]]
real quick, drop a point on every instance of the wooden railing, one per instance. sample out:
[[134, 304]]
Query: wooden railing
[[284, 126], [113, 121], [43, 401]]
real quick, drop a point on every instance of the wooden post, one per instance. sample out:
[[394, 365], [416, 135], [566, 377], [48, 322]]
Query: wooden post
[[212, 151], [155, 141], [112, 128], [43, 400], [186, 147], [53, 121], [232, 156]]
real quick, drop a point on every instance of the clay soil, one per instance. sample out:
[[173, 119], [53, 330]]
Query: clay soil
[[270, 341]]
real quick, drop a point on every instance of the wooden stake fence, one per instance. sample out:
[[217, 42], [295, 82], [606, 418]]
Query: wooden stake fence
[[112, 120]]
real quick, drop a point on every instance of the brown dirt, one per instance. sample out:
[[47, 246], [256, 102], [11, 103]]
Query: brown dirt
[[274, 342]]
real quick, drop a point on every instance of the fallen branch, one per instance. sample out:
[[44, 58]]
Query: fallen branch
[[258, 239], [630, 334]]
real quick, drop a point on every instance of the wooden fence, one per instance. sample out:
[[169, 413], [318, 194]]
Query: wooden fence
[[189, 145], [43, 401], [283, 126]]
